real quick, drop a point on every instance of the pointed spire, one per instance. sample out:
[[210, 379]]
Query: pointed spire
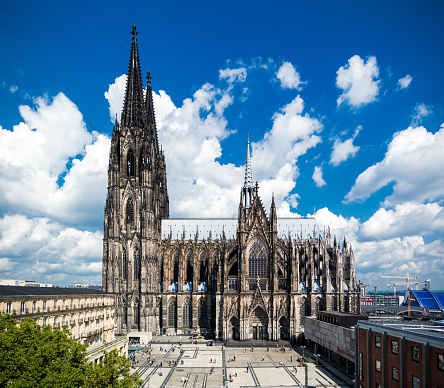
[[151, 118], [133, 105], [248, 175]]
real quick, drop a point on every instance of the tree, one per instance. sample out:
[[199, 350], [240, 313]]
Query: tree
[[32, 356]]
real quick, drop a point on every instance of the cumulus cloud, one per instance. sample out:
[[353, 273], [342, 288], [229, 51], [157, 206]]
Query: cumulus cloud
[[114, 95], [34, 175], [317, 177], [417, 180], [342, 150], [404, 83], [13, 89], [289, 77], [406, 219], [40, 248], [419, 112], [359, 81]]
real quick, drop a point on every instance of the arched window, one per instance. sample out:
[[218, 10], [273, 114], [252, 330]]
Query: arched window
[[187, 313], [172, 312], [136, 315], [189, 268], [202, 313], [130, 163], [136, 264], [257, 260], [203, 267], [130, 212], [176, 267]]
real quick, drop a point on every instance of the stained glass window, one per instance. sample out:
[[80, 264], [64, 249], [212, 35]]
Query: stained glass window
[[257, 262]]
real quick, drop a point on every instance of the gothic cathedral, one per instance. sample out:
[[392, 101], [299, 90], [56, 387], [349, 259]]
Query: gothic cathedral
[[252, 277]]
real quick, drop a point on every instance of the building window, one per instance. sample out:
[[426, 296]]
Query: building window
[[22, 308], [9, 307], [55, 305], [441, 362], [187, 319], [130, 213], [378, 365], [44, 321], [257, 262], [360, 366], [64, 304], [72, 304], [44, 306], [416, 382], [415, 353], [172, 313], [395, 373], [395, 347], [378, 341], [34, 306]]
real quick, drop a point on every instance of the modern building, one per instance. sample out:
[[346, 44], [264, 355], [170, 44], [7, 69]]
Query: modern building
[[401, 354], [427, 300], [331, 334], [253, 277], [23, 283], [87, 314]]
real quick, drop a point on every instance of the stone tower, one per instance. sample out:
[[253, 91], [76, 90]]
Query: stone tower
[[137, 200]]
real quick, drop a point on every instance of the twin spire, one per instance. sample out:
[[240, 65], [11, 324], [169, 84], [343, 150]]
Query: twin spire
[[249, 191], [138, 112]]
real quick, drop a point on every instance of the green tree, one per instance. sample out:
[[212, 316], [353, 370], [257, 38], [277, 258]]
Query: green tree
[[32, 356]]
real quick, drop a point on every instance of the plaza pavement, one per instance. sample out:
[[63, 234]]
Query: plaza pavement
[[208, 366]]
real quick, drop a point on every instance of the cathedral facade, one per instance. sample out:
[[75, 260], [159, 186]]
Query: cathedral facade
[[253, 277]]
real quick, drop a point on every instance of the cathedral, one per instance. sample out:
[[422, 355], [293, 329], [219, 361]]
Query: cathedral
[[253, 277]]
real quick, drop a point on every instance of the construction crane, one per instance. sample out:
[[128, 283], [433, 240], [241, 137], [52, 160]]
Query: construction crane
[[404, 284], [407, 278]]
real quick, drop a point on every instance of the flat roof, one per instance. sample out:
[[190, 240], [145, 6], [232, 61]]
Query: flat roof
[[48, 291], [413, 329]]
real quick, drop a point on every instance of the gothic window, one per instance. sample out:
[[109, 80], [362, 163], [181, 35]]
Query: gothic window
[[172, 313], [130, 212], [304, 311], [202, 313], [203, 267], [187, 313], [130, 163], [189, 269], [136, 315], [136, 264], [176, 267], [257, 262]]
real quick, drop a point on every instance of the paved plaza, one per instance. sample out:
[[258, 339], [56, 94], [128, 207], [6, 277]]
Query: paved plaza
[[198, 365]]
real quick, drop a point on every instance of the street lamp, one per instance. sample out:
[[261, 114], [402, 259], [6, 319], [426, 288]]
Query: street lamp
[[317, 360], [303, 350]]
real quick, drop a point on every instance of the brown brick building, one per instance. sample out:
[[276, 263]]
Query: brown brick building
[[400, 354]]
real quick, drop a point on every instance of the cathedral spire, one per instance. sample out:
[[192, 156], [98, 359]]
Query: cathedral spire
[[133, 105], [248, 175], [151, 118], [249, 191]]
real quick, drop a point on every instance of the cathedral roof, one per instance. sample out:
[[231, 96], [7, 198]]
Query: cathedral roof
[[296, 227]]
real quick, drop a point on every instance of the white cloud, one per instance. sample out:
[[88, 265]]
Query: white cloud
[[420, 111], [233, 75], [339, 226], [289, 77], [38, 248], [13, 89], [317, 177], [359, 81], [406, 219], [417, 180], [34, 177], [404, 82], [114, 95], [344, 150]]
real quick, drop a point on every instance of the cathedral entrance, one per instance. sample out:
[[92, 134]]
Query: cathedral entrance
[[284, 328], [234, 328], [259, 324]]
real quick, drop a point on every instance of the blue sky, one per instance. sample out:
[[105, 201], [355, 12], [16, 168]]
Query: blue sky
[[342, 101]]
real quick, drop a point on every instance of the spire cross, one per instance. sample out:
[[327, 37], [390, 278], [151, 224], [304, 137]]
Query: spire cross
[[134, 31], [148, 77]]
